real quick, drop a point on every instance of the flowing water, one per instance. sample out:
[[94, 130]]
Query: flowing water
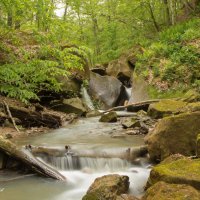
[[89, 137]]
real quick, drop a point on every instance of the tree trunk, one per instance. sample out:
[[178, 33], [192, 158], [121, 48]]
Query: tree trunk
[[26, 157], [153, 17], [167, 12]]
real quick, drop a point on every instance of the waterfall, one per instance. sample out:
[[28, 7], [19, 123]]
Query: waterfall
[[71, 162], [128, 92], [86, 98]]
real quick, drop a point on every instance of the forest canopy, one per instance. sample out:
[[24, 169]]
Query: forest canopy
[[33, 33]]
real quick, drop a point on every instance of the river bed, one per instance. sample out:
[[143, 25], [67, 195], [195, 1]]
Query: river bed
[[86, 135]]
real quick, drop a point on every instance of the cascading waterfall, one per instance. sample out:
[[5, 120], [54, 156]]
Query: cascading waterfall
[[71, 162], [87, 99], [128, 92]]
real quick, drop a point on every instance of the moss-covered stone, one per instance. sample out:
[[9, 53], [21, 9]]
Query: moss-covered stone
[[107, 187], [198, 146], [181, 170], [175, 134], [109, 117], [165, 108], [131, 122], [192, 107], [165, 191], [191, 96]]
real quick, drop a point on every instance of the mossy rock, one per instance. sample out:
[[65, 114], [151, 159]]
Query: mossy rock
[[175, 134], [179, 171], [165, 191], [198, 146], [192, 107], [109, 117], [131, 122], [165, 108], [107, 187], [191, 96]]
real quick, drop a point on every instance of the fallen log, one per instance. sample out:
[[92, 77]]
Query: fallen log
[[29, 160], [137, 106]]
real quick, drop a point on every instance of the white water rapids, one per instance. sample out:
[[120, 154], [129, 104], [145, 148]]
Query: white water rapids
[[88, 136]]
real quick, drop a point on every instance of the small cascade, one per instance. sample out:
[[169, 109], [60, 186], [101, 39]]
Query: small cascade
[[71, 162], [87, 99], [128, 92]]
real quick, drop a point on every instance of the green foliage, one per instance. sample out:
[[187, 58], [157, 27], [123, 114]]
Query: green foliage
[[24, 80], [174, 56]]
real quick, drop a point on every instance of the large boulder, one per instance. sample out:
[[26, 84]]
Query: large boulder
[[73, 105], [109, 117], [107, 89], [165, 191], [107, 187], [177, 170], [165, 108], [175, 134]]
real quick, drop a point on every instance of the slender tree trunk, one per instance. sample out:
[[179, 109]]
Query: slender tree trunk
[[9, 18], [66, 9], [153, 17], [167, 12]]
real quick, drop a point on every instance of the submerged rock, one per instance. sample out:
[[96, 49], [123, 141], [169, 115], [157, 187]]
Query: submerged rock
[[177, 170], [107, 187], [165, 108], [109, 117], [165, 191], [175, 134]]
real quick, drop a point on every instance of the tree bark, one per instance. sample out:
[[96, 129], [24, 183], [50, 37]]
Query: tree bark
[[26, 157]]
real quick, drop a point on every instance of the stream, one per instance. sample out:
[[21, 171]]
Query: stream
[[87, 136]]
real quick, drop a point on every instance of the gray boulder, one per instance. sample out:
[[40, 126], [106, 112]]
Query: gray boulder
[[107, 89]]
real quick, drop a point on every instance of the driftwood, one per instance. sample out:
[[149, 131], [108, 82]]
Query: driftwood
[[29, 160], [137, 105], [10, 115]]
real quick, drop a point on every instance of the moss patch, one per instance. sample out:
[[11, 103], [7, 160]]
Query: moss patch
[[165, 108], [164, 191], [180, 171]]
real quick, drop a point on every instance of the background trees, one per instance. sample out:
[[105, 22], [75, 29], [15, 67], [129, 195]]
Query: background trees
[[106, 26]]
